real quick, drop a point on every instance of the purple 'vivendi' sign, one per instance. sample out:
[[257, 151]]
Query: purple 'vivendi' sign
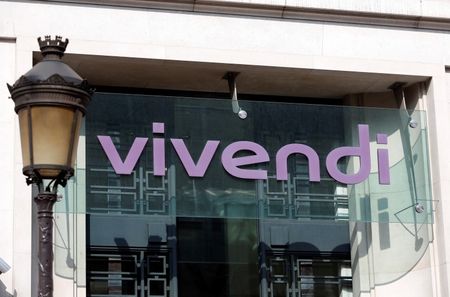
[[235, 165]]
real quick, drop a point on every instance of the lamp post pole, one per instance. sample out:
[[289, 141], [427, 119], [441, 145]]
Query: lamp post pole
[[44, 202], [50, 100]]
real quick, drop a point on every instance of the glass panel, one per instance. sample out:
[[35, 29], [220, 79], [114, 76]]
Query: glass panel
[[157, 265], [217, 216], [157, 287], [278, 267], [112, 274], [112, 287], [279, 290], [319, 269], [219, 193], [99, 263], [319, 290], [24, 136], [73, 153], [276, 207], [325, 277], [217, 257], [98, 286], [52, 128]]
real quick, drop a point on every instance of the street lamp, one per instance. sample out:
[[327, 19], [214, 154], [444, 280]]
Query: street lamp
[[50, 101]]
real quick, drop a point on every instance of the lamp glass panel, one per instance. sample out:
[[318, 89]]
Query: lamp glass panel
[[79, 116], [52, 129], [24, 136]]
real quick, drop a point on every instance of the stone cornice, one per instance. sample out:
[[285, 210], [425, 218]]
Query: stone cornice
[[413, 18]]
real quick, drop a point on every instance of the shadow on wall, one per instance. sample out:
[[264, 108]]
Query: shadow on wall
[[4, 293]]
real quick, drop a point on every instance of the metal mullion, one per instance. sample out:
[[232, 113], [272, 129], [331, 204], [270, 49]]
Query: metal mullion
[[306, 178], [316, 200], [316, 216], [112, 272], [113, 187], [320, 195], [290, 202], [143, 266], [102, 295], [107, 278]]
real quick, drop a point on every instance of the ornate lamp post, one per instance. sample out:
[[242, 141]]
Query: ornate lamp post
[[50, 101]]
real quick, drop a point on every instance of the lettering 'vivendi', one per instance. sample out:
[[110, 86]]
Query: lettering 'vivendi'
[[232, 164]]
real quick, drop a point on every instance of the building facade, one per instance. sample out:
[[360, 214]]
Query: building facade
[[241, 148]]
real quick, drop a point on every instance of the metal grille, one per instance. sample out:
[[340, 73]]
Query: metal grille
[[138, 193], [298, 198], [292, 276], [113, 275], [157, 276], [137, 273]]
